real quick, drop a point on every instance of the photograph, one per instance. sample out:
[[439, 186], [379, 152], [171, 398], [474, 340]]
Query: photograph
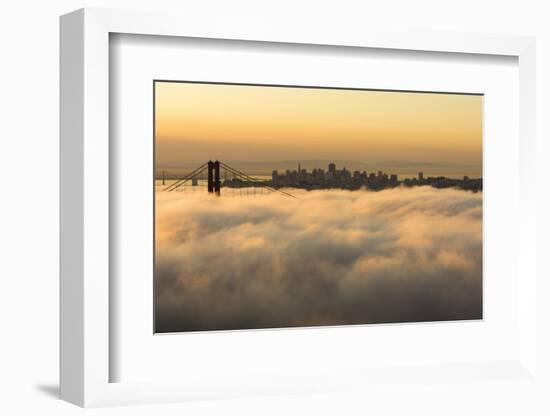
[[284, 206]]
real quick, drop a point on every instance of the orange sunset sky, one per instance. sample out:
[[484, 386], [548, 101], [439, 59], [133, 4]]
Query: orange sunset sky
[[197, 122]]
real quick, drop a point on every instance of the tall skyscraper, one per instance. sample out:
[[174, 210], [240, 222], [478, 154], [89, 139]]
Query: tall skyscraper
[[332, 168], [420, 176]]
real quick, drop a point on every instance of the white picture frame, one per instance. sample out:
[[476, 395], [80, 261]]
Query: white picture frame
[[85, 165]]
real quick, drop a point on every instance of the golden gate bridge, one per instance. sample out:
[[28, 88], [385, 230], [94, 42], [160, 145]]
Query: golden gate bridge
[[214, 184]]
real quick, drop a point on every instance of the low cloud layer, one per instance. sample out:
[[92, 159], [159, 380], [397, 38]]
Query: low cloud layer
[[329, 258]]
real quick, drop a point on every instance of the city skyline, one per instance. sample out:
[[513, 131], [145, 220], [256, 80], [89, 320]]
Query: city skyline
[[265, 168], [316, 179]]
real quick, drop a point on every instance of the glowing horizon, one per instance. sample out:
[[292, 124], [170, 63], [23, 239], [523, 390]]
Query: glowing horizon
[[196, 122]]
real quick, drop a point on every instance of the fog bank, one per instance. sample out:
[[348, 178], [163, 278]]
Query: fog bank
[[329, 258]]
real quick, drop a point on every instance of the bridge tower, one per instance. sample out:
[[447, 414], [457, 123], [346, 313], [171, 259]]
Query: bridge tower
[[210, 176], [214, 184], [217, 184]]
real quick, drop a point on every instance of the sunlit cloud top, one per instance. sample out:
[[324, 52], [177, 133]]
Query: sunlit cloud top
[[328, 258]]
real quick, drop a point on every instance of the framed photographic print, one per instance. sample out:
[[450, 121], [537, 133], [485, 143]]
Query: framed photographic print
[[288, 206], [257, 211]]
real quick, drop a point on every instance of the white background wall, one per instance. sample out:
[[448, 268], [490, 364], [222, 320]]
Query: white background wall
[[29, 205]]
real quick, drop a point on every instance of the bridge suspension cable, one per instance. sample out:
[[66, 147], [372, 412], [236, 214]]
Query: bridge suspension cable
[[254, 180], [239, 174], [181, 181]]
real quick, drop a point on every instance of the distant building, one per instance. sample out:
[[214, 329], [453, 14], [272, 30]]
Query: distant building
[[420, 176], [275, 176], [393, 178], [332, 169]]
